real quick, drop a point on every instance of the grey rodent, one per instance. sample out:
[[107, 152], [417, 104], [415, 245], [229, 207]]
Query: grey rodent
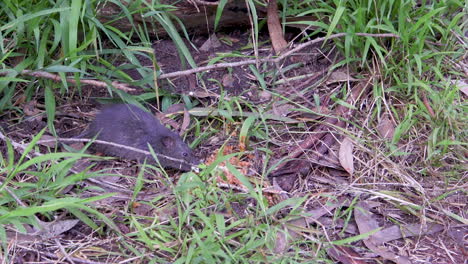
[[128, 125]]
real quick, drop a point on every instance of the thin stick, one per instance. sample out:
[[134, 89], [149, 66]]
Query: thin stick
[[22, 147], [268, 59], [110, 144], [125, 87], [57, 78]]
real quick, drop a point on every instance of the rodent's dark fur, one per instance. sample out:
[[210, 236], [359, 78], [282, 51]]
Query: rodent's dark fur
[[131, 126]]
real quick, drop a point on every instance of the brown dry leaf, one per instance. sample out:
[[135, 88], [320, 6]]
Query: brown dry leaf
[[20, 100], [281, 110], [265, 95], [228, 80], [242, 166], [346, 155], [175, 108], [228, 39], [289, 234], [386, 128], [281, 242], [292, 229], [339, 224], [409, 230], [203, 94], [366, 222], [143, 209], [56, 228], [211, 43], [238, 209], [458, 233], [166, 120], [339, 76], [274, 28], [30, 236], [185, 122], [242, 144], [30, 108], [345, 255], [462, 85], [315, 214], [77, 145], [169, 211]]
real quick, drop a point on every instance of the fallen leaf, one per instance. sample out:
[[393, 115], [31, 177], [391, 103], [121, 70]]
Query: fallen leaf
[[77, 145], [30, 108], [366, 222], [281, 110], [462, 85], [274, 28], [281, 242], [185, 122], [346, 155], [339, 76], [396, 232], [339, 224], [458, 234], [228, 80], [265, 95], [386, 128], [211, 43], [227, 176], [345, 255], [56, 228], [203, 94], [175, 108], [20, 100], [292, 229]]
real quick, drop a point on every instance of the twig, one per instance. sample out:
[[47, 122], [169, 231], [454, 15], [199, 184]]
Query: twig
[[57, 78], [268, 59], [125, 87], [54, 256], [428, 105], [206, 2], [64, 253], [111, 144], [233, 187], [22, 147]]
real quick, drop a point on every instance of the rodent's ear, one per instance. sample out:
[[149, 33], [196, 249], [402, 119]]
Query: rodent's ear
[[168, 142]]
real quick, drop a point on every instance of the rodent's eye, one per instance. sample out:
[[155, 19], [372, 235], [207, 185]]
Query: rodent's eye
[[185, 154]]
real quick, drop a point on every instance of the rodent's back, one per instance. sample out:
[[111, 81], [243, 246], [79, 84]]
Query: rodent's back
[[131, 126]]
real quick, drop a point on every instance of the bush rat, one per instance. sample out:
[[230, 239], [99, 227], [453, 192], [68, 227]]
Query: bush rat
[[128, 125]]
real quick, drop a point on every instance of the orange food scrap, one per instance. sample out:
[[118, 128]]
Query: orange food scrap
[[242, 166]]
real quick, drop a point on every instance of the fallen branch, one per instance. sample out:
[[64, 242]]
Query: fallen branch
[[428, 105], [206, 2], [269, 58], [111, 144], [125, 87], [109, 186], [57, 78]]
